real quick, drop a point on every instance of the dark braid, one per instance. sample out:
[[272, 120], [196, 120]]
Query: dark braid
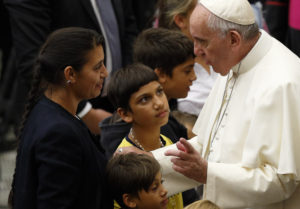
[[35, 93]]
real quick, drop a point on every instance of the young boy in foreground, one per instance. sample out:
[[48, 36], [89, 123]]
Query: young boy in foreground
[[135, 182]]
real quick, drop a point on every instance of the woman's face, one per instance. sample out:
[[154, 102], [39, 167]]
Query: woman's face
[[89, 81], [185, 26]]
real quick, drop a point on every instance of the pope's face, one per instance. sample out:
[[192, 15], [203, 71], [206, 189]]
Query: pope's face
[[208, 44]]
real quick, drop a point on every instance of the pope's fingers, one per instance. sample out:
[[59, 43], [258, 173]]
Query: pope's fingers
[[186, 145], [180, 146], [172, 152]]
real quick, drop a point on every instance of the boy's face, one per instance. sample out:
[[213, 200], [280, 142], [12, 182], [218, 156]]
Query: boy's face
[[155, 197], [149, 106], [182, 78]]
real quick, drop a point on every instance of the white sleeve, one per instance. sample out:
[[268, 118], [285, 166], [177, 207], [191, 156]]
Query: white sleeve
[[175, 182]]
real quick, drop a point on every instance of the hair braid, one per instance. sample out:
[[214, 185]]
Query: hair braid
[[34, 94]]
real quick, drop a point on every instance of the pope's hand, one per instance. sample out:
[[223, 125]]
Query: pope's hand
[[188, 161]]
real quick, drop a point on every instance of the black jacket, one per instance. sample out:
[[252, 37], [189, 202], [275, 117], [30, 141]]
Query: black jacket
[[58, 163]]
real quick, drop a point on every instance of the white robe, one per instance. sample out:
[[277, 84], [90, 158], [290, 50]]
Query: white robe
[[254, 158]]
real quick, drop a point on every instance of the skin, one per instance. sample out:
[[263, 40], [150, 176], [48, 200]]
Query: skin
[[89, 81], [178, 85], [84, 84], [208, 45], [149, 110], [222, 53], [155, 197]]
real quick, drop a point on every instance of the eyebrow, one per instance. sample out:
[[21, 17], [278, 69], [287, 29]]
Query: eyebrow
[[101, 62], [147, 94]]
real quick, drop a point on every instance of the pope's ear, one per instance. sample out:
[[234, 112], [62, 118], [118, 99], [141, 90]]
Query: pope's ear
[[126, 115], [162, 76], [235, 38]]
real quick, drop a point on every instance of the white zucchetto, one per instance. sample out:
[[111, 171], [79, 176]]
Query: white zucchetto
[[236, 11]]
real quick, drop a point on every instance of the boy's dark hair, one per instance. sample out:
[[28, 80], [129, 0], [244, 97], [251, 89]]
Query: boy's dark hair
[[129, 174], [127, 81], [162, 48]]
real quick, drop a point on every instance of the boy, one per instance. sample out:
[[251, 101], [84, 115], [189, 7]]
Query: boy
[[135, 182], [141, 101], [170, 55]]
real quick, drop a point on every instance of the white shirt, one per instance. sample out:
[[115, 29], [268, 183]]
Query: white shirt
[[255, 162], [199, 91]]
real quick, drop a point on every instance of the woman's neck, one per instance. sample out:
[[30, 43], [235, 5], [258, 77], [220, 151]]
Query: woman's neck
[[63, 98], [146, 138]]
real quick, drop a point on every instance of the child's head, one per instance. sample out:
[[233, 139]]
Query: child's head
[[135, 181], [202, 204], [171, 55], [138, 96]]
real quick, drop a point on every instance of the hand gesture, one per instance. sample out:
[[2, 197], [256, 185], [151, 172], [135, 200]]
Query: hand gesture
[[188, 161]]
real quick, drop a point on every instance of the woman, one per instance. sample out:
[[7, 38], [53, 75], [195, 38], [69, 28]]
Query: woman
[[58, 163], [175, 15]]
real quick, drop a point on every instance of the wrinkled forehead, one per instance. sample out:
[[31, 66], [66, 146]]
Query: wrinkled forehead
[[198, 18], [199, 14]]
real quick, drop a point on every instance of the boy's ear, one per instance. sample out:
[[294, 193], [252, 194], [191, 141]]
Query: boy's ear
[[125, 115], [70, 74], [180, 21], [162, 76], [129, 200]]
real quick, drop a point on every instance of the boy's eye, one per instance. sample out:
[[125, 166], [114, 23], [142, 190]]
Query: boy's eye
[[144, 99], [188, 72], [160, 91], [154, 188]]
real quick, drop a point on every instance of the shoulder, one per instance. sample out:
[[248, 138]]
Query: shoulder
[[167, 140], [125, 143]]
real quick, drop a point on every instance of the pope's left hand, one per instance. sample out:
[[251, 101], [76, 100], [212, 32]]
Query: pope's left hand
[[188, 161]]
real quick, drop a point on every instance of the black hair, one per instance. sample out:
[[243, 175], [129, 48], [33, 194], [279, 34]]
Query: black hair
[[129, 174], [127, 81], [162, 48]]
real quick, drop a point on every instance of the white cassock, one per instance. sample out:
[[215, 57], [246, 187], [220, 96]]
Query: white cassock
[[249, 131]]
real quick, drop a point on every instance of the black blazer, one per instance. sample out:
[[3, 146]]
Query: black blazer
[[58, 164]]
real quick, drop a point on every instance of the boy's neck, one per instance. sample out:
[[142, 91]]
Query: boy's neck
[[146, 138]]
